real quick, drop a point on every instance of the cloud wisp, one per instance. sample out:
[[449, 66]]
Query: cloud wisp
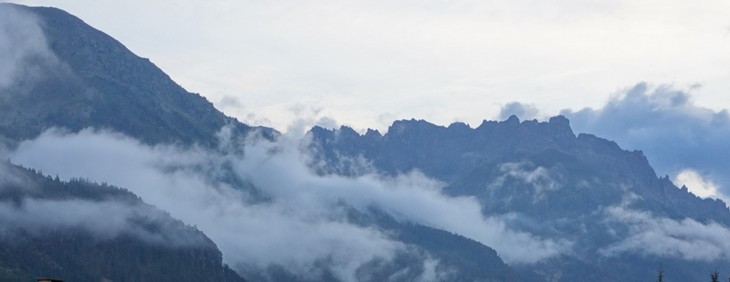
[[30, 206], [538, 178], [665, 237], [105, 220], [23, 47], [305, 219], [523, 111]]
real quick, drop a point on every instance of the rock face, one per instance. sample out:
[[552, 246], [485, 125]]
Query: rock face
[[91, 80], [583, 189], [82, 231]]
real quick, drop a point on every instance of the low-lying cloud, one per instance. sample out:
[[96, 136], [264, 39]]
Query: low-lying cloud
[[537, 177], [665, 237], [104, 219], [303, 222]]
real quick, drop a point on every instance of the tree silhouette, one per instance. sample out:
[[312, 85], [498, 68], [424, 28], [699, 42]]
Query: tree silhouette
[[660, 274], [715, 276]]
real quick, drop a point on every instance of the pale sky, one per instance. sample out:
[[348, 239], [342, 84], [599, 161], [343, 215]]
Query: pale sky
[[367, 63]]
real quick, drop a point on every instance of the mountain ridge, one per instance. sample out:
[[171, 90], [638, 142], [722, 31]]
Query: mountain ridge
[[550, 180]]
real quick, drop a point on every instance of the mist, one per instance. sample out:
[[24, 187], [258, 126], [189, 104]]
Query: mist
[[303, 222], [22, 46], [104, 220], [653, 235]]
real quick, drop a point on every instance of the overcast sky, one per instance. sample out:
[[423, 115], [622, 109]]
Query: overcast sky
[[366, 63]]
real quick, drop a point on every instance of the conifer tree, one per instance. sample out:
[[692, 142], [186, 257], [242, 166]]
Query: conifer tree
[[660, 274], [715, 276]]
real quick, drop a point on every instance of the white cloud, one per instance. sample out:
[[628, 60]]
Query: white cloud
[[698, 185], [104, 219], [664, 237], [539, 178], [302, 224], [179, 181]]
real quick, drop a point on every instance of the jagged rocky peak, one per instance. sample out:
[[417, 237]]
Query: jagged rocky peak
[[598, 142], [410, 126], [561, 124], [556, 130], [555, 127], [346, 131], [459, 126], [373, 134], [343, 131]]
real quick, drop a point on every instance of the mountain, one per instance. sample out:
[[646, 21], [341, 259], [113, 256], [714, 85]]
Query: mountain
[[82, 231], [619, 220], [88, 79], [92, 80], [604, 200]]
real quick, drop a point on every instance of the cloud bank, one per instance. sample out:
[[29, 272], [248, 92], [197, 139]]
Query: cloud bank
[[664, 237], [303, 222]]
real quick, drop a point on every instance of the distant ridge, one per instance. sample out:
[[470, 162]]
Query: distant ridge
[[555, 184]]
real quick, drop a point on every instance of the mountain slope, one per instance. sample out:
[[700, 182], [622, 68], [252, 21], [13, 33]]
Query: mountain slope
[[81, 231], [606, 201], [92, 80], [88, 79]]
